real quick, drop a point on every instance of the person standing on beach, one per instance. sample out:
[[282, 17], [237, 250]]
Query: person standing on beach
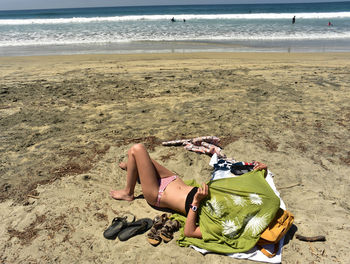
[[293, 20]]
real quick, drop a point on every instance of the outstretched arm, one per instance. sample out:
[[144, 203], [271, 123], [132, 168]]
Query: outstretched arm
[[191, 229]]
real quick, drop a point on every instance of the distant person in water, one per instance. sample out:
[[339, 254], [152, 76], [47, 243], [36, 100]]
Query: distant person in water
[[184, 20], [293, 20], [330, 24], [173, 19]]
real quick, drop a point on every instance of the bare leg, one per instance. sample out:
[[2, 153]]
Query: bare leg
[[159, 168], [141, 165], [128, 192]]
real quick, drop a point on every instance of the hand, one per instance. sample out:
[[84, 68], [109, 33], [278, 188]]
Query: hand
[[201, 193], [260, 166]]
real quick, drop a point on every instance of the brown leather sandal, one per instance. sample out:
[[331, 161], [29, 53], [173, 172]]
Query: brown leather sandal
[[153, 236], [167, 231]]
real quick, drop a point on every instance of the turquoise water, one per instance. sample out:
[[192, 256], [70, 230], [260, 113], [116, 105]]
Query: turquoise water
[[254, 27]]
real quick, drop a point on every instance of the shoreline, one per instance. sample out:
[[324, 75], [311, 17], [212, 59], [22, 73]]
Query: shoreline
[[183, 46], [68, 121], [287, 56]]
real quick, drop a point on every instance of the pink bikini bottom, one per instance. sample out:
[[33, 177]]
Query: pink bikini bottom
[[163, 183]]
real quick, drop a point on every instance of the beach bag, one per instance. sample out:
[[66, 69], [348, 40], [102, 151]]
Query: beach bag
[[275, 231]]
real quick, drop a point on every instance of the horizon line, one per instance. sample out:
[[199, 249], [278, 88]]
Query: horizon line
[[87, 7]]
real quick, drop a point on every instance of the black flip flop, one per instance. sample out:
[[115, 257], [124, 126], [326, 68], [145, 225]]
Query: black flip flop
[[132, 229], [118, 223]]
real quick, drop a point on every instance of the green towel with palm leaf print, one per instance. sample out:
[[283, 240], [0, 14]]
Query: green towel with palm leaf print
[[235, 213]]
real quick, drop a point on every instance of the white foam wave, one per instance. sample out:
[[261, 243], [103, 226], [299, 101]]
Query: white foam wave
[[327, 15], [102, 40]]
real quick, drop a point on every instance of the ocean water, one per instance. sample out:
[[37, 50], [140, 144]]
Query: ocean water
[[253, 27]]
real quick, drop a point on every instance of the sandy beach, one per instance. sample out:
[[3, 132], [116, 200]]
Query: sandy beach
[[67, 121]]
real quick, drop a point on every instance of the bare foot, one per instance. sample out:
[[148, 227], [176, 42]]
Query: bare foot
[[121, 195], [123, 165]]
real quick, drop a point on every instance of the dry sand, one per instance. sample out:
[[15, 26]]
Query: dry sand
[[66, 122]]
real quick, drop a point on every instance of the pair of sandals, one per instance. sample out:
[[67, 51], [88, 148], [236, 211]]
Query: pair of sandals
[[163, 229], [124, 229]]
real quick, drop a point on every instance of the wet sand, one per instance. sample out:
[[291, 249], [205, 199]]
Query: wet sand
[[66, 122]]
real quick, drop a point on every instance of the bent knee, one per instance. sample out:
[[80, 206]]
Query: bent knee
[[137, 148]]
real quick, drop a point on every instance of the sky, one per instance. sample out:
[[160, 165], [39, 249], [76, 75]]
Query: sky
[[47, 4]]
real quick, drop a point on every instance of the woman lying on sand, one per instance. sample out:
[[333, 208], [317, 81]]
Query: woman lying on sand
[[164, 189]]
